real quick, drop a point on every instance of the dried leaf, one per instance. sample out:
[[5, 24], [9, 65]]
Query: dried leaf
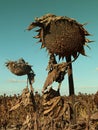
[[50, 79]]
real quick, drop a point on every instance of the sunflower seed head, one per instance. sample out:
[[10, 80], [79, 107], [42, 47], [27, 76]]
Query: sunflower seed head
[[61, 35]]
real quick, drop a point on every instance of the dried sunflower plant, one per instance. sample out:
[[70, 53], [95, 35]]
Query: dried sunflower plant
[[20, 68], [64, 37]]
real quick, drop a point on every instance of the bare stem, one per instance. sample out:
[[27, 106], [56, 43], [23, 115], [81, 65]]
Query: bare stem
[[71, 89], [70, 77]]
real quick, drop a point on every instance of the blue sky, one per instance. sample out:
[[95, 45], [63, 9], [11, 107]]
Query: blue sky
[[16, 15]]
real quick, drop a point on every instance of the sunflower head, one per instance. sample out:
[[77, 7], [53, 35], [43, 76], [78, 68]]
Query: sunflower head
[[61, 35], [19, 67]]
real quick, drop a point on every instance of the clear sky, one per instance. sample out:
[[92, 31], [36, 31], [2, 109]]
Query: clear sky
[[16, 15]]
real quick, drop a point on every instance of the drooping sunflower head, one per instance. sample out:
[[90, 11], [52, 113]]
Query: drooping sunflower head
[[61, 35], [19, 67]]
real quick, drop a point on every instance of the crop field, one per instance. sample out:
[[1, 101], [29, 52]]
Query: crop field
[[49, 111]]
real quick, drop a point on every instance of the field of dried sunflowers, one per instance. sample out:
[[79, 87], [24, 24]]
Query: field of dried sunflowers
[[64, 37], [49, 111]]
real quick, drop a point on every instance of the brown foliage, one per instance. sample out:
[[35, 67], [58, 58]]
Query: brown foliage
[[96, 99], [52, 112]]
